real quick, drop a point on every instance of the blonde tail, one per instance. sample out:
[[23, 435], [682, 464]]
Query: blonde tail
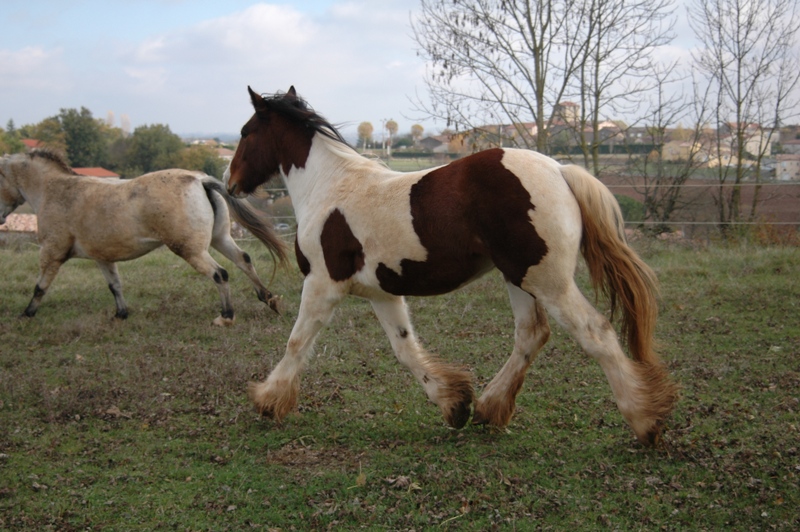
[[630, 284]]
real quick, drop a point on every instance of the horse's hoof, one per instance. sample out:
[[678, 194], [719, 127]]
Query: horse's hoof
[[652, 437], [219, 321], [121, 315], [274, 303], [459, 415], [479, 419]]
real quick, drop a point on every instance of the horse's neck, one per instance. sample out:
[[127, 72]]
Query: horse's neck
[[31, 182], [327, 166]]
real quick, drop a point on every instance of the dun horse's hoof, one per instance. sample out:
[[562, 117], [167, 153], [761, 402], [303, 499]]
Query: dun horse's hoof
[[275, 303], [219, 321]]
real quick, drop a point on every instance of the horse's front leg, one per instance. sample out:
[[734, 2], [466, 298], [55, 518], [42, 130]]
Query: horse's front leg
[[497, 402], [446, 385], [49, 264], [111, 274], [277, 396]]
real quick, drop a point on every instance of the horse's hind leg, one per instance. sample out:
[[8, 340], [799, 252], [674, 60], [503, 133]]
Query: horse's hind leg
[[531, 331], [629, 380], [204, 263], [446, 385], [111, 274], [277, 396], [224, 243]]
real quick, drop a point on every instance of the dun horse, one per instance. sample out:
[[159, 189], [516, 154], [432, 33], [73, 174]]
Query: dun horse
[[111, 220], [371, 232]]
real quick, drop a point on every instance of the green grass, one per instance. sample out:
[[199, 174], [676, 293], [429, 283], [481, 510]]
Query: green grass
[[145, 424]]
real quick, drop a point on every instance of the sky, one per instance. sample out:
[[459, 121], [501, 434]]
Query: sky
[[187, 63]]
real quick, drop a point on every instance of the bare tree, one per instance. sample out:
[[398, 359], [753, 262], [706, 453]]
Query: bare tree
[[416, 133], [750, 65], [495, 62], [674, 159], [391, 127], [617, 67]]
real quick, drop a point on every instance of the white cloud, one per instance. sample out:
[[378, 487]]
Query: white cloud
[[354, 61], [147, 80], [32, 67]]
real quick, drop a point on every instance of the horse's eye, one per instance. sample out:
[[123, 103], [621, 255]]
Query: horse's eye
[[243, 132]]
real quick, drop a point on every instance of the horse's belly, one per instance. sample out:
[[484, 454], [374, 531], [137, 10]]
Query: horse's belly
[[117, 251], [430, 278]]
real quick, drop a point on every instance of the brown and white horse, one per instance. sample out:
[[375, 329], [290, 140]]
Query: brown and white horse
[[111, 220], [371, 232]]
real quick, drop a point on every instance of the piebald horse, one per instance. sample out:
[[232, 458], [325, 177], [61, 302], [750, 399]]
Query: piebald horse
[[368, 231], [111, 220]]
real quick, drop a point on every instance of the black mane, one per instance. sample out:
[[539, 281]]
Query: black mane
[[298, 110], [53, 157]]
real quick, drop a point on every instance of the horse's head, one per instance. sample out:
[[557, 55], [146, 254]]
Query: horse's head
[[10, 194], [275, 139], [270, 141]]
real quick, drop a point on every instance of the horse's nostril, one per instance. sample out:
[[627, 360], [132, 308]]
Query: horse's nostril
[[232, 189]]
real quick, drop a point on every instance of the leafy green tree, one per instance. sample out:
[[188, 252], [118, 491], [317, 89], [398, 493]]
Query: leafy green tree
[[202, 158], [117, 145], [9, 140], [49, 132], [85, 146], [153, 147]]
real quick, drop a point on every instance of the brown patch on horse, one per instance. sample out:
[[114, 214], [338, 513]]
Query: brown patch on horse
[[344, 254], [302, 261], [468, 215]]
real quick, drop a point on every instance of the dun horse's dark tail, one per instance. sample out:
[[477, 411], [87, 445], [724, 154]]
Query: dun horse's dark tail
[[251, 219]]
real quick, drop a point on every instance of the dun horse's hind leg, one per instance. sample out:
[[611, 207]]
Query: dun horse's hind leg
[[48, 269], [227, 246], [204, 263], [628, 378], [111, 274], [531, 331], [445, 385], [277, 396]]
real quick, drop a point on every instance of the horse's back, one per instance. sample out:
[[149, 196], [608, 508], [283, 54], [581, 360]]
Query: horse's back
[[429, 232]]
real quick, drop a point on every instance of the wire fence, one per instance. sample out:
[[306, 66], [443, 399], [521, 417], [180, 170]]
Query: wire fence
[[790, 203]]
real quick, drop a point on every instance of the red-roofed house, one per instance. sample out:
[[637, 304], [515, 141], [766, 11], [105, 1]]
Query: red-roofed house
[[225, 153], [95, 172], [32, 143]]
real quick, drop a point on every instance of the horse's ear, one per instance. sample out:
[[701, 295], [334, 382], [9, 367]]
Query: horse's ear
[[259, 104], [291, 92]]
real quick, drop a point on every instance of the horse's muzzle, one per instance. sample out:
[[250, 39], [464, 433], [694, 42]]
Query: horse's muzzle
[[235, 191]]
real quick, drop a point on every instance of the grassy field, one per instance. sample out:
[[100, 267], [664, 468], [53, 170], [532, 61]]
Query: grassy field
[[145, 425]]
